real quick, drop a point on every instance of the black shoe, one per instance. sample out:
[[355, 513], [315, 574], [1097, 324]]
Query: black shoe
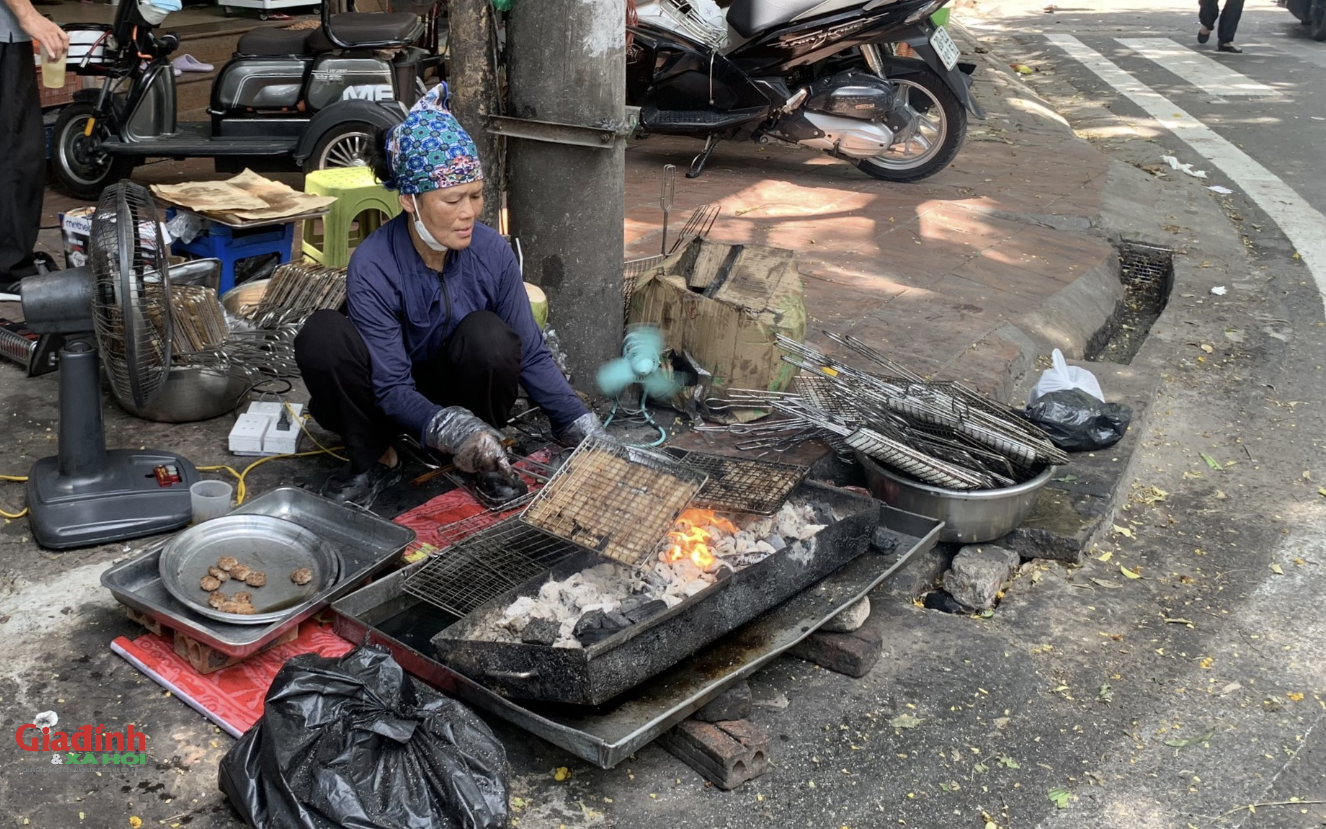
[[1203, 38], [345, 487], [1229, 47]]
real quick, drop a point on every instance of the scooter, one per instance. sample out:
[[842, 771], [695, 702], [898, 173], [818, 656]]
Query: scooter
[[1311, 13], [816, 73], [287, 100]]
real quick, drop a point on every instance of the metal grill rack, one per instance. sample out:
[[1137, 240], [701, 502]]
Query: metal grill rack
[[739, 484], [484, 566], [615, 500], [632, 270]]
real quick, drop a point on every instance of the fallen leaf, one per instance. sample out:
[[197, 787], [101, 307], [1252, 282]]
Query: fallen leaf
[[562, 774], [135, 822], [1185, 742], [1230, 688], [905, 721], [1321, 490], [1129, 574], [1211, 462], [1105, 694], [1009, 763], [1207, 663], [1059, 797], [1109, 585], [1277, 569], [1208, 349], [1295, 696], [1105, 556], [1124, 531]]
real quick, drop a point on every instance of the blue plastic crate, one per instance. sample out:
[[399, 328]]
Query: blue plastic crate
[[234, 245]]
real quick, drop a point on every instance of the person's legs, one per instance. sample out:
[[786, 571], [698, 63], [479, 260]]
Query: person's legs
[[1207, 13], [1229, 21], [336, 368], [22, 162], [479, 368]]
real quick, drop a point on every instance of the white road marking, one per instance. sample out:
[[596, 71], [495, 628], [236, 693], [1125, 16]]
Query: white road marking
[[1298, 220], [1197, 69]]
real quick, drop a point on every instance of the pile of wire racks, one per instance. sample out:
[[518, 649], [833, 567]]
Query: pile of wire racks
[[938, 432]]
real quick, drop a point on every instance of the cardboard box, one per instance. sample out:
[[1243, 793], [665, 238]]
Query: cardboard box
[[76, 228], [723, 305]]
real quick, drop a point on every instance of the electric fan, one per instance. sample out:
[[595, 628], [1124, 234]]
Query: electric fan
[[87, 495], [642, 362]]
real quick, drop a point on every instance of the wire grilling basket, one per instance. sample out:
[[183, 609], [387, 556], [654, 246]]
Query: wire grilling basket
[[938, 432]]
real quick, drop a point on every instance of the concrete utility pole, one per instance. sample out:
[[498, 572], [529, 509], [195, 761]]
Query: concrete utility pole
[[567, 201], [474, 92]]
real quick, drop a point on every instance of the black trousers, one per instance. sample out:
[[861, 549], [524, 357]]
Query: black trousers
[[22, 159], [1229, 18], [479, 368]]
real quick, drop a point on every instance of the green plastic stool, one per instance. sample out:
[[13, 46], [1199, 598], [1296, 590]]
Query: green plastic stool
[[361, 203]]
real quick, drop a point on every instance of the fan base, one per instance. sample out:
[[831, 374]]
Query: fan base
[[124, 500]]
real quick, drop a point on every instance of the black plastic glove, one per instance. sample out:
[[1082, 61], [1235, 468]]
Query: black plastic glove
[[585, 426], [474, 445]]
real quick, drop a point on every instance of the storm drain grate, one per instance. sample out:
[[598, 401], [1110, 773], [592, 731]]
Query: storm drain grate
[[1147, 274]]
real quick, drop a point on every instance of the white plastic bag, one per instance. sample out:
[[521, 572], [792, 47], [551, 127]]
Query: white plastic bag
[[1063, 377]]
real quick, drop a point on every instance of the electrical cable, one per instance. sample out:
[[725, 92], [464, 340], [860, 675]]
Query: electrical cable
[[641, 416], [13, 516]]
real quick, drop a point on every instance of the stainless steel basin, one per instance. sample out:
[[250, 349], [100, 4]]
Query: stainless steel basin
[[969, 517]]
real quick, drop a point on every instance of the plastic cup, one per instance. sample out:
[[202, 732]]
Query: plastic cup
[[52, 71], [210, 499]]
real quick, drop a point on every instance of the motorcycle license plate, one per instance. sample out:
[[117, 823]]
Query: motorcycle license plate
[[947, 49]]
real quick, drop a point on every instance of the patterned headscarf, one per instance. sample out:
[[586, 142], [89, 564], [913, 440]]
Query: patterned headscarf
[[430, 150]]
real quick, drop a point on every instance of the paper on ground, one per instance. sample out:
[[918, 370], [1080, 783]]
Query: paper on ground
[[1181, 167]]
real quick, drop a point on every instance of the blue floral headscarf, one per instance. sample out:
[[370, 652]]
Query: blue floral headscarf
[[430, 150]]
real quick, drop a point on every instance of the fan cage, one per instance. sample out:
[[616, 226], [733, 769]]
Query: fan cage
[[131, 292]]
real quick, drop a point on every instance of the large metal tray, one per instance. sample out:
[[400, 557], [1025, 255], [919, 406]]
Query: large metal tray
[[608, 735], [595, 674], [367, 545]]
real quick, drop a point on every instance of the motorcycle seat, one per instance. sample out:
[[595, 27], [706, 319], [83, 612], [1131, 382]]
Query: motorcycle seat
[[750, 17], [271, 42], [396, 28]]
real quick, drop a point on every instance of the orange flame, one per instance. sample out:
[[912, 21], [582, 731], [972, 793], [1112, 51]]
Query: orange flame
[[690, 539]]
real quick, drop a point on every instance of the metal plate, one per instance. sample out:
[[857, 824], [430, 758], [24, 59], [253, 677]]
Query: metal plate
[[367, 544], [741, 484], [272, 545]]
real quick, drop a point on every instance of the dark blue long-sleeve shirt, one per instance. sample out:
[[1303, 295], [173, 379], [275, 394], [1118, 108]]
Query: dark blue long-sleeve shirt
[[397, 305]]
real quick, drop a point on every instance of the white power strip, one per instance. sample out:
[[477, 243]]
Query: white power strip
[[260, 432]]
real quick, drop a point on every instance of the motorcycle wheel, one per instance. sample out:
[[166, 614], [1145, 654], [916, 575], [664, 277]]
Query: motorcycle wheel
[[941, 127], [344, 145], [1317, 20], [81, 169]]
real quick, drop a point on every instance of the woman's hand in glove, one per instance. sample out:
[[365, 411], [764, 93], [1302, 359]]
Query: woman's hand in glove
[[585, 426], [474, 445]]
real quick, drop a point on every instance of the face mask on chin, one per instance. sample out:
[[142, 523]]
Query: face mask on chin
[[424, 236]]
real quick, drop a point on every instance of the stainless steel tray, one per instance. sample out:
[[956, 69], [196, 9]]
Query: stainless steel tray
[[274, 546], [367, 544], [608, 735]]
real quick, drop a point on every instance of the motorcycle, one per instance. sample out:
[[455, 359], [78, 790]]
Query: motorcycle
[[1311, 13], [287, 100], [821, 74]]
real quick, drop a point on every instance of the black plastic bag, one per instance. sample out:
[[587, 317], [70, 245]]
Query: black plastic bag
[[352, 743], [1078, 422]]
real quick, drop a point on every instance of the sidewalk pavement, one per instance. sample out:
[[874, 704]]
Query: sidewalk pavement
[[968, 275]]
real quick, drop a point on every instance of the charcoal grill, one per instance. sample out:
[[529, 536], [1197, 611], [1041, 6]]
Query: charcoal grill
[[758, 487], [618, 501], [486, 565], [598, 673], [383, 614]]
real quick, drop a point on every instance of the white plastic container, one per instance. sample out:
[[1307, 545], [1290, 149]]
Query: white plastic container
[[88, 43], [210, 499]]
